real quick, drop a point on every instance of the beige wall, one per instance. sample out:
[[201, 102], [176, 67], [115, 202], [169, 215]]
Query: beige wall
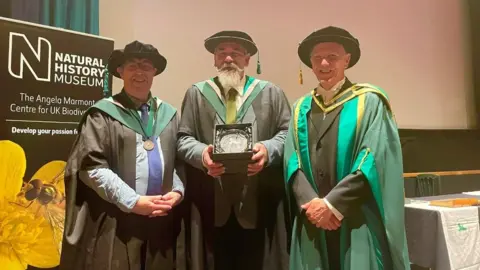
[[416, 50]]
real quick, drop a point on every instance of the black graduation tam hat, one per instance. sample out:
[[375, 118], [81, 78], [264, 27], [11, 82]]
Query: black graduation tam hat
[[136, 49], [239, 37], [329, 34]]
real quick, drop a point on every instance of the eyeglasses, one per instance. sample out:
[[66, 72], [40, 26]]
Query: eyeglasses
[[132, 66], [233, 55]]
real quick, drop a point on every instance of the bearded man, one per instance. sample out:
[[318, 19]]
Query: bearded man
[[237, 218]]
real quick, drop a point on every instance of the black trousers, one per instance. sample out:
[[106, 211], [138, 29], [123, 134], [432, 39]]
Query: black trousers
[[333, 249], [237, 248], [152, 246]]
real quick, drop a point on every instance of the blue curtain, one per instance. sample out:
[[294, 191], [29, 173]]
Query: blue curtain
[[77, 15]]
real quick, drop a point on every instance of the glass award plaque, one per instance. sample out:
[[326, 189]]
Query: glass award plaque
[[232, 146]]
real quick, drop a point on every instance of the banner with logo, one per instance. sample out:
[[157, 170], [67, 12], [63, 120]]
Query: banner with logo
[[48, 78]]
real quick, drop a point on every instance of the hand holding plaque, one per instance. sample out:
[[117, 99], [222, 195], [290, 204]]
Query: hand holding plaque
[[232, 147], [259, 159], [213, 168]]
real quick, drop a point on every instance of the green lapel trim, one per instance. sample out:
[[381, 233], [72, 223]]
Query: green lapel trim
[[350, 160], [209, 93], [249, 81], [165, 114], [118, 112], [304, 254], [347, 128], [259, 85], [301, 130]]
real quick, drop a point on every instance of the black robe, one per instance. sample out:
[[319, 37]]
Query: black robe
[[98, 235]]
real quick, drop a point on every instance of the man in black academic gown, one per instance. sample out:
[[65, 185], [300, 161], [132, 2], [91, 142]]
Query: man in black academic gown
[[121, 179], [237, 218]]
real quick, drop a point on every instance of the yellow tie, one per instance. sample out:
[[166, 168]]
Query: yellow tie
[[231, 106]]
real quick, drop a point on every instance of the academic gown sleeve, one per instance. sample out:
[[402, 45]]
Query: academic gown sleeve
[[282, 114], [179, 171], [177, 183], [302, 190], [95, 171], [345, 197], [189, 148], [349, 194]]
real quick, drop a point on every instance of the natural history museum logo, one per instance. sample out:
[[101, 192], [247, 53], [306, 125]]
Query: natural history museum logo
[[36, 58]]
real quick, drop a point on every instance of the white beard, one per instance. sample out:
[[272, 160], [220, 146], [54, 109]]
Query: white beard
[[229, 78]]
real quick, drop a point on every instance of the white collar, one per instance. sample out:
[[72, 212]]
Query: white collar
[[329, 94], [334, 88]]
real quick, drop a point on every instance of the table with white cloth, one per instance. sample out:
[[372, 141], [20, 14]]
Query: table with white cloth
[[442, 237]]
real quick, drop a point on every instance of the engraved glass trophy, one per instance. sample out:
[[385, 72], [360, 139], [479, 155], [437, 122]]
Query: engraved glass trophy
[[233, 146]]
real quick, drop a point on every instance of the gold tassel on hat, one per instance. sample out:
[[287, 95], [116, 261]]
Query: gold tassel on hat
[[300, 75]]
